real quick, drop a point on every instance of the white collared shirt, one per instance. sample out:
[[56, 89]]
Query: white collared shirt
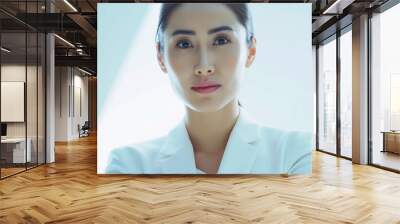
[[251, 149]]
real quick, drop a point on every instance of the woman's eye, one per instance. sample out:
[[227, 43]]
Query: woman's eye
[[183, 44], [221, 41]]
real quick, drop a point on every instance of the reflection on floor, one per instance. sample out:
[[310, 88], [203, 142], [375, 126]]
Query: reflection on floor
[[386, 159], [11, 169], [347, 152]]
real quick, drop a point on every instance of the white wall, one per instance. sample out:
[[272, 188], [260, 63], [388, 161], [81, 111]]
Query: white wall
[[61, 103], [70, 83], [80, 103]]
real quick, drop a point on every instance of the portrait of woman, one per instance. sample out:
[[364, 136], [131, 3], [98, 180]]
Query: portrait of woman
[[205, 50]]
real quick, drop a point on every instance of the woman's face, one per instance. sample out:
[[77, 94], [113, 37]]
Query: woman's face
[[205, 55]]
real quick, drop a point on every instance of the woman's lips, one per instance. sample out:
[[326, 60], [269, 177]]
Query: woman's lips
[[205, 87]]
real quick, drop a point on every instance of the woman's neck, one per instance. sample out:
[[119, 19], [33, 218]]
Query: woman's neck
[[209, 131]]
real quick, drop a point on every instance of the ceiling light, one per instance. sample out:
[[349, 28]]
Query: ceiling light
[[70, 5], [329, 9], [5, 50], [338, 6], [64, 40], [86, 72], [79, 51]]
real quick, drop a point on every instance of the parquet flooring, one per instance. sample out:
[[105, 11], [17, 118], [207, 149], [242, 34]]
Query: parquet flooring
[[70, 191]]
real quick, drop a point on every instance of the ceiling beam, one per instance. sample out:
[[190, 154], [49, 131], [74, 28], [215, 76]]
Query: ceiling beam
[[85, 25], [82, 61]]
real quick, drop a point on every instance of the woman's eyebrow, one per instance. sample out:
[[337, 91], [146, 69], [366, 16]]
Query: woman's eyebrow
[[220, 28], [183, 32], [211, 31]]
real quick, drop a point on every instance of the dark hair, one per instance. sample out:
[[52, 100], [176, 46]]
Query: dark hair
[[239, 9]]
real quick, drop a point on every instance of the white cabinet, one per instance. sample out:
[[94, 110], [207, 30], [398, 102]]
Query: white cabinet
[[18, 149]]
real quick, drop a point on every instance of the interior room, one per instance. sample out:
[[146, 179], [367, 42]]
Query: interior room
[[50, 100]]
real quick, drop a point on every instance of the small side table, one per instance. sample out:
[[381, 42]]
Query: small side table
[[391, 141]]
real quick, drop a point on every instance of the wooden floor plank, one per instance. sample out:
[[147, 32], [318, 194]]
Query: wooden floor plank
[[70, 191]]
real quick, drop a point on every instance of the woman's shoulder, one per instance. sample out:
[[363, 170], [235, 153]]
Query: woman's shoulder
[[288, 136], [134, 158], [293, 148], [278, 134]]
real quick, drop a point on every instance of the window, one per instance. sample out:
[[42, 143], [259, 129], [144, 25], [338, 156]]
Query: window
[[346, 94], [327, 96], [385, 88]]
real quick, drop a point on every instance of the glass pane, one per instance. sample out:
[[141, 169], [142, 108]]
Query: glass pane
[[23, 89], [31, 101], [13, 86], [386, 88], [395, 102], [41, 98], [31, 85], [327, 97], [346, 94]]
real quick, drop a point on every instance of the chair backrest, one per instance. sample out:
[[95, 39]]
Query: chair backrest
[[86, 124]]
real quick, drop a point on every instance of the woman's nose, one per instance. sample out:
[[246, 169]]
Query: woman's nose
[[204, 67], [205, 70]]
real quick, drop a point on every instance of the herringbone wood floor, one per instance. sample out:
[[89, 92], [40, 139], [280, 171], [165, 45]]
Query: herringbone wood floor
[[70, 191]]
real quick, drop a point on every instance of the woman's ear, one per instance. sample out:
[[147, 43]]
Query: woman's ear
[[252, 52], [160, 58]]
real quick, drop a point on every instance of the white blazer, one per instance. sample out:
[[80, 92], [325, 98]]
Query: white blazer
[[251, 149]]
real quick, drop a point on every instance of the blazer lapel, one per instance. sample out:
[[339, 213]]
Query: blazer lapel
[[241, 150], [176, 155]]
